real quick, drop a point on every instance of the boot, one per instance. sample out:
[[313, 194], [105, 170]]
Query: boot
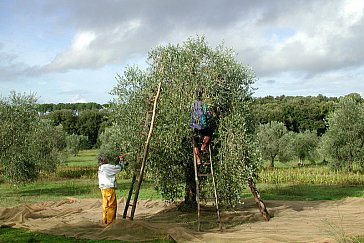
[[197, 155], [205, 142]]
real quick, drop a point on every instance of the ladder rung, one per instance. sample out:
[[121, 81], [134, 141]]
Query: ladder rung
[[209, 198], [204, 174]]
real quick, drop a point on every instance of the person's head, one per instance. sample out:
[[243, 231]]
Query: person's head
[[102, 160], [198, 93]]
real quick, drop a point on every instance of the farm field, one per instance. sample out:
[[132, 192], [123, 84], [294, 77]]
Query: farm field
[[307, 204]]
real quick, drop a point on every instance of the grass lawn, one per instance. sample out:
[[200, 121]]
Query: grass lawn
[[76, 178], [84, 158], [308, 192], [60, 189]]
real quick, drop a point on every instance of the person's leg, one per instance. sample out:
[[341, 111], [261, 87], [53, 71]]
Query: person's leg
[[207, 134], [196, 151], [197, 155], [104, 206], [205, 142], [109, 205]]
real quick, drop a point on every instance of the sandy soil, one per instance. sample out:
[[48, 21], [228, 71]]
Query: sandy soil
[[292, 221]]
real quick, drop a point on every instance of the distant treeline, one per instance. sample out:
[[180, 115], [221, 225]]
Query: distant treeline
[[87, 119], [298, 113], [46, 108]]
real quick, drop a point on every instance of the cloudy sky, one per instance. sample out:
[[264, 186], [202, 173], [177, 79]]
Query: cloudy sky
[[71, 50]]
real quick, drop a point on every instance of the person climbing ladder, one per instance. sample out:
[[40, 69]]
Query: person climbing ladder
[[200, 124]]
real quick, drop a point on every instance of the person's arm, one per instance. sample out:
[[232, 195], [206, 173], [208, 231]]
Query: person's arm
[[111, 170]]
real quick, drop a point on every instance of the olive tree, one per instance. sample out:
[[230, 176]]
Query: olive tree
[[272, 141], [227, 89], [287, 152], [305, 145], [75, 143], [28, 144], [343, 142]]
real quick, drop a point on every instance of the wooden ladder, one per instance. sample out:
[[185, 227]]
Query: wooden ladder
[[199, 175], [140, 166]]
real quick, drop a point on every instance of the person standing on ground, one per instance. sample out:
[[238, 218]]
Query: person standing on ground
[[200, 116], [107, 184]]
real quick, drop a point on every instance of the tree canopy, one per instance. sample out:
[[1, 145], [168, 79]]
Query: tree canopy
[[28, 144], [343, 143], [227, 89]]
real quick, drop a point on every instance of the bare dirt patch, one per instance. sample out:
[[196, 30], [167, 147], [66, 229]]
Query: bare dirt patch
[[293, 221]]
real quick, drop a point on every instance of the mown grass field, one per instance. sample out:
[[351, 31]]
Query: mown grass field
[[78, 178]]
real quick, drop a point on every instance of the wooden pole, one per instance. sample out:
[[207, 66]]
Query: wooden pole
[[258, 200]]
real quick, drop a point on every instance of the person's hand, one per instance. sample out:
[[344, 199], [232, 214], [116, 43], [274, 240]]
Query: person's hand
[[121, 156], [122, 159]]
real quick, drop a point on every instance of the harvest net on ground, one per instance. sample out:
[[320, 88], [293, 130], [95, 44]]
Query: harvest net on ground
[[293, 221]]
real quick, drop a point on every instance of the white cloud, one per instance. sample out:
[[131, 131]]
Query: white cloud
[[91, 50], [83, 40], [352, 11], [282, 40], [323, 41], [77, 99]]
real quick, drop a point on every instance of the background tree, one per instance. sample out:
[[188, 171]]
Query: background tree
[[67, 118], [75, 143], [287, 151], [343, 142], [89, 122], [296, 112], [28, 144], [305, 145], [227, 88], [271, 140]]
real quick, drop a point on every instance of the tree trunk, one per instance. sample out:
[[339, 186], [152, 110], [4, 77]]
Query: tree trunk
[[350, 167], [271, 165], [190, 188]]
